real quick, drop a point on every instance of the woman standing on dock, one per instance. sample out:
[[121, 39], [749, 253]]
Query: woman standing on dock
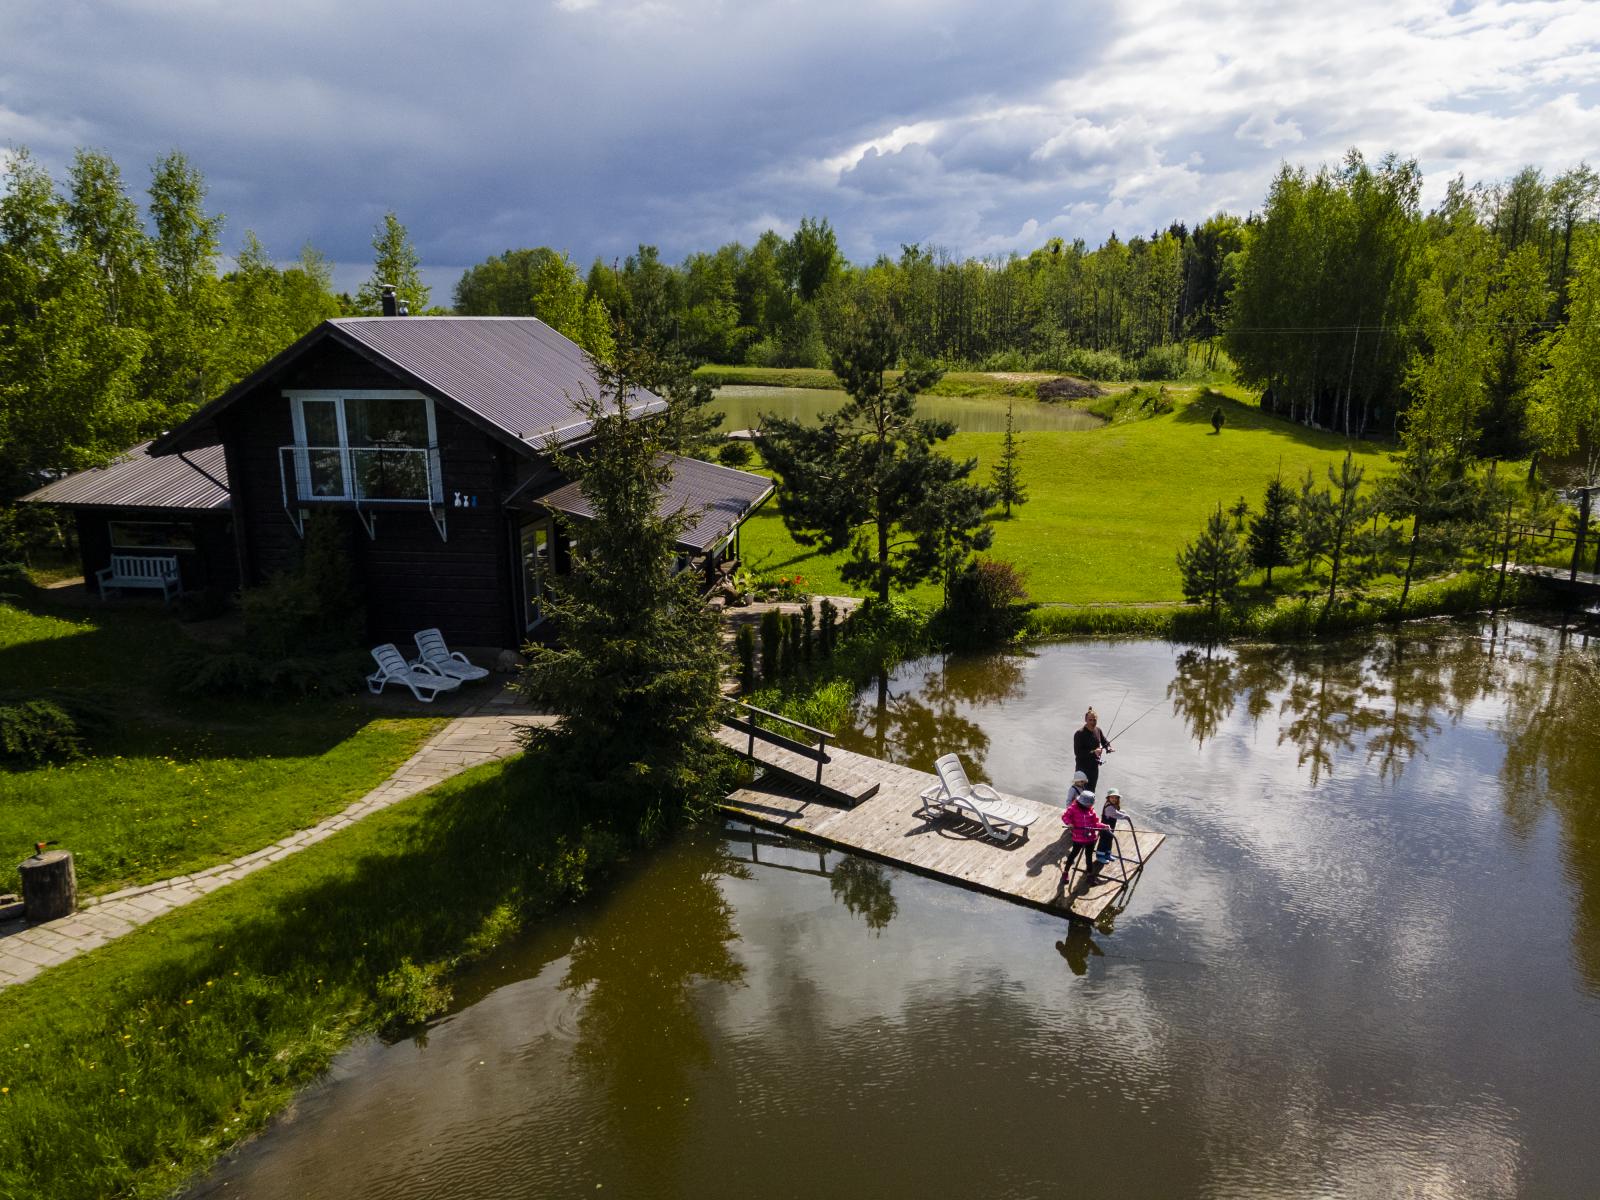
[[1089, 746]]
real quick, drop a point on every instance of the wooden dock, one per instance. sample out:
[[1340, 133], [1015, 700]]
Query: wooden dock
[[884, 827]]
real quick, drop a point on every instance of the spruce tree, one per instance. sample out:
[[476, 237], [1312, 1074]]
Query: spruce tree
[[1213, 565], [394, 262], [1346, 510], [636, 679], [1271, 540], [1006, 475]]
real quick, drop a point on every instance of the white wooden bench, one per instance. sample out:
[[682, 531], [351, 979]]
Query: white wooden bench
[[141, 571]]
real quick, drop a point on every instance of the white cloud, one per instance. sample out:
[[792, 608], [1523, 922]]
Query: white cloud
[[1263, 128]]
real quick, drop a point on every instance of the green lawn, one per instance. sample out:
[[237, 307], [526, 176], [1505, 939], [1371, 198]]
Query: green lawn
[[126, 1070], [1109, 508], [175, 786], [1001, 384]]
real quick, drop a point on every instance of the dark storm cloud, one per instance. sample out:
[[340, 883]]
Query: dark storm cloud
[[594, 125]]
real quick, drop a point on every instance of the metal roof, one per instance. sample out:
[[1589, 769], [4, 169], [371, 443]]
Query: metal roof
[[515, 372], [720, 496], [137, 480]]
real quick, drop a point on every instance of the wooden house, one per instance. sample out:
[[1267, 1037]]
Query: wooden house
[[432, 434]]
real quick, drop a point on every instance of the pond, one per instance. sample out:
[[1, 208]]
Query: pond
[[744, 405], [1365, 963]]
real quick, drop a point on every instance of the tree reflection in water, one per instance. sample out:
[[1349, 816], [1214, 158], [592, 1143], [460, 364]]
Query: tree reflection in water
[[638, 967], [923, 718], [1203, 691], [1551, 730], [863, 887]]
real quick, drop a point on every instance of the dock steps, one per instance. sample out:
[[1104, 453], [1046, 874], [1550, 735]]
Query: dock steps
[[839, 784]]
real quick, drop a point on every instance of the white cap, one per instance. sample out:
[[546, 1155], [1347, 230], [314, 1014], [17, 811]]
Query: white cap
[[1113, 794], [1079, 777]]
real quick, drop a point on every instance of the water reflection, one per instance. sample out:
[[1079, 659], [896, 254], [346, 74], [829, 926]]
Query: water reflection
[[917, 715], [864, 889], [637, 968]]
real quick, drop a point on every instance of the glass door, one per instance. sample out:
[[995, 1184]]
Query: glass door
[[535, 539], [322, 462]]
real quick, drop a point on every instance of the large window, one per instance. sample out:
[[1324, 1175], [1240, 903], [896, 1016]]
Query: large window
[[151, 535], [536, 567], [365, 445]]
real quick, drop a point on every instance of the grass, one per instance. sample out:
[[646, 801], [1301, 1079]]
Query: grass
[[1002, 384], [1109, 508], [174, 786], [125, 1071]]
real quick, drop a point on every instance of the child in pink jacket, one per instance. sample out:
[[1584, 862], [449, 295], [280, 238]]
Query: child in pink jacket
[[1079, 817]]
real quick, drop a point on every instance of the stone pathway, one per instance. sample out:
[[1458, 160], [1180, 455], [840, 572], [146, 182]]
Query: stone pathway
[[486, 733]]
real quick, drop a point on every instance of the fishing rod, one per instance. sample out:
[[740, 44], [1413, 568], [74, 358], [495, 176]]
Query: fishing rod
[[1113, 737], [1119, 708]]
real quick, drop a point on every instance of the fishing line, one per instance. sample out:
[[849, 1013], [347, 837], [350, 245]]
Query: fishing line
[[1116, 714], [1113, 737]]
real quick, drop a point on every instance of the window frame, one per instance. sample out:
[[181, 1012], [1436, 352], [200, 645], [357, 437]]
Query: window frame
[[298, 397]]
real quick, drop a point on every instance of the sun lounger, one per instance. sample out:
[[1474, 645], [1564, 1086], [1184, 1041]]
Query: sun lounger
[[432, 652], [956, 795], [393, 668]]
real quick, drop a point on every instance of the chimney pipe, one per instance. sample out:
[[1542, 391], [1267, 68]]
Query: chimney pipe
[[391, 306]]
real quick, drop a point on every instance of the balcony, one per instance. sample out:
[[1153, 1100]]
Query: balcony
[[368, 478]]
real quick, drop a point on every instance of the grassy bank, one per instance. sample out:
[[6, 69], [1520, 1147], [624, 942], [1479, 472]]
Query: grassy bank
[[1289, 618], [1109, 508], [1018, 385], [124, 1072], [171, 786]]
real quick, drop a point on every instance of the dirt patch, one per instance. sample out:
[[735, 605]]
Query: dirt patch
[[1067, 387]]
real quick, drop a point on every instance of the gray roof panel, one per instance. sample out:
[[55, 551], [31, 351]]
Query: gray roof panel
[[136, 480], [515, 372], [718, 498]]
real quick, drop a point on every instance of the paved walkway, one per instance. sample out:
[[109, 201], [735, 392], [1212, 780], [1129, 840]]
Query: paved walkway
[[486, 733]]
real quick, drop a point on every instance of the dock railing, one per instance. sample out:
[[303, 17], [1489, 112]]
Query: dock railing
[[744, 717]]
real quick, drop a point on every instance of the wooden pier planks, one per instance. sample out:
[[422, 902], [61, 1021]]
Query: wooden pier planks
[[884, 827]]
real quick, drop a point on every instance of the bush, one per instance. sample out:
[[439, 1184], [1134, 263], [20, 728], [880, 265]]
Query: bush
[[35, 732], [988, 585], [1165, 362], [242, 673], [1090, 364], [734, 453], [744, 643], [202, 605]]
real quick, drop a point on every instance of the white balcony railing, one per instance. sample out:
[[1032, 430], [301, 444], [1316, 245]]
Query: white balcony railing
[[365, 476]]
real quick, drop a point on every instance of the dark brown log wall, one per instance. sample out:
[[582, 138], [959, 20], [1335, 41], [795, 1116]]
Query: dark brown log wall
[[413, 579]]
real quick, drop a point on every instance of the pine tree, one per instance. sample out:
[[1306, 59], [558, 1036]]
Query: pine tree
[[1006, 475], [867, 478], [394, 262], [1213, 565], [1271, 539]]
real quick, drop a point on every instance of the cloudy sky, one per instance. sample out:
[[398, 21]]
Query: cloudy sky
[[593, 125]]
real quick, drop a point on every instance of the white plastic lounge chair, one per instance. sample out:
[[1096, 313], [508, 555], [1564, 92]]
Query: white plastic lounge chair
[[393, 668], [958, 796], [432, 652]]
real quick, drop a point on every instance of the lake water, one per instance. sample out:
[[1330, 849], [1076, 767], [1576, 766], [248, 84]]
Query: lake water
[[744, 406], [1366, 963]]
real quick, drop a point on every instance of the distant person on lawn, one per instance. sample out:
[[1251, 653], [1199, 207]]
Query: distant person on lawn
[[1089, 746]]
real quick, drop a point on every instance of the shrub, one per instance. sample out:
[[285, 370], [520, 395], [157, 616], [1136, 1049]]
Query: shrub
[[202, 605], [808, 626], [409, 994], [829, 628], [988, 585], [734, 453], [35, 732], [744, 644], [771, 643], [1076, 360], [1165, 362]]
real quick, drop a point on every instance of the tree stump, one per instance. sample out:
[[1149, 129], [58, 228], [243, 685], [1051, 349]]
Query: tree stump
[[49, 886]]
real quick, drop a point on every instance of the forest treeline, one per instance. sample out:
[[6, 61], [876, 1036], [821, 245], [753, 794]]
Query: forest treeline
[[1345, 302], [1334, 298]]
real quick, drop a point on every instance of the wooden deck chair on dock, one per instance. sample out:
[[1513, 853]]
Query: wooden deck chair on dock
[[432, 652], [956, 795], [393, 668]]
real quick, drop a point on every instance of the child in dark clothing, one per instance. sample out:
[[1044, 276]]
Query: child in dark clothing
[[1110, 813]]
